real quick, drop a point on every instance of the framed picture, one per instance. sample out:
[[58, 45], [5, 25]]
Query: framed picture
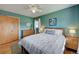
[[53, 22]]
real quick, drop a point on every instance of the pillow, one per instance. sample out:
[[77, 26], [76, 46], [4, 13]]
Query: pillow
[[52, 32], [58, 32], [48, 29]]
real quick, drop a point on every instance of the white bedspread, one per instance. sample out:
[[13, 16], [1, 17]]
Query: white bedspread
[[44, 44]]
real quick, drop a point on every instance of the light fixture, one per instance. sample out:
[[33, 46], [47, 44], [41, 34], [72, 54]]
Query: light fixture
[[28, 24], [72, 32], [34, 8], [33, 11]]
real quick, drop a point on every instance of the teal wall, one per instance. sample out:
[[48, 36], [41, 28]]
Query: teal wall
[[23, 19], [68, 17]]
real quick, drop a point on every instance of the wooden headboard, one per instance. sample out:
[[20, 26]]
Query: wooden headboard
[[56, 28]]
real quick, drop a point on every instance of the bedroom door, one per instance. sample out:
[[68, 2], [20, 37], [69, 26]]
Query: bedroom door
[[9, 30]]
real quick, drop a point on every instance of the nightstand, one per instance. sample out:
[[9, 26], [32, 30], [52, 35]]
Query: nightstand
[[72, 43]]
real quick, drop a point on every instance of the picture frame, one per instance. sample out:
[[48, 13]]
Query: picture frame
[[53, 22]]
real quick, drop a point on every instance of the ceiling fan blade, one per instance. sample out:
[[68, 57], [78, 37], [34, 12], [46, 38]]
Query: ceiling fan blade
[[32, 7]]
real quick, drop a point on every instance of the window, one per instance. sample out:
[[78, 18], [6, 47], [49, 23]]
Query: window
[[37, 25]]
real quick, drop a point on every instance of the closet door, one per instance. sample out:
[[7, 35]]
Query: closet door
[[9, 29]]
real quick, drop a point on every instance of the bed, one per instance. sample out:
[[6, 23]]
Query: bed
[[51, 41]]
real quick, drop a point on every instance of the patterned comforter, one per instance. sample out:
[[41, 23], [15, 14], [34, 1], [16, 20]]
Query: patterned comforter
[[44, 44]]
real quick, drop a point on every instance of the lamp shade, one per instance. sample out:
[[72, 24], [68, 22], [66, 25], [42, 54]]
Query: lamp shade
[[42, 28], [72, 31]]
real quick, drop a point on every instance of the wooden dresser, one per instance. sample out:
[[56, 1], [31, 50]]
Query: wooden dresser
[[72, 43], [26, 32]]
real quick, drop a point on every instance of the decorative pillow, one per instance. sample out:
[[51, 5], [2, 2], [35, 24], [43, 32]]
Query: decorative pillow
[[52, 32]]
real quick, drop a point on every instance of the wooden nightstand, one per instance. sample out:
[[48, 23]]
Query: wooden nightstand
[[72, 43]]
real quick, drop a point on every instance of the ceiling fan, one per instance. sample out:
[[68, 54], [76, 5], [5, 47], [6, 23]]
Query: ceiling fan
[[34, 8]]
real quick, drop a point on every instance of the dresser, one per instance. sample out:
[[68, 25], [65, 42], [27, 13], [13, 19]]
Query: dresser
[[25, 33]]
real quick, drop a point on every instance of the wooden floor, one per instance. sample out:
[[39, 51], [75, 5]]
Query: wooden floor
[[14, 49], [10, 48]]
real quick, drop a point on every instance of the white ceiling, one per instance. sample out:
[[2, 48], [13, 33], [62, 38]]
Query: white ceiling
[[21, 8]]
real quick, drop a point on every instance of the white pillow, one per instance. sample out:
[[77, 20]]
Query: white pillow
[[48, 29], [58, 32]]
